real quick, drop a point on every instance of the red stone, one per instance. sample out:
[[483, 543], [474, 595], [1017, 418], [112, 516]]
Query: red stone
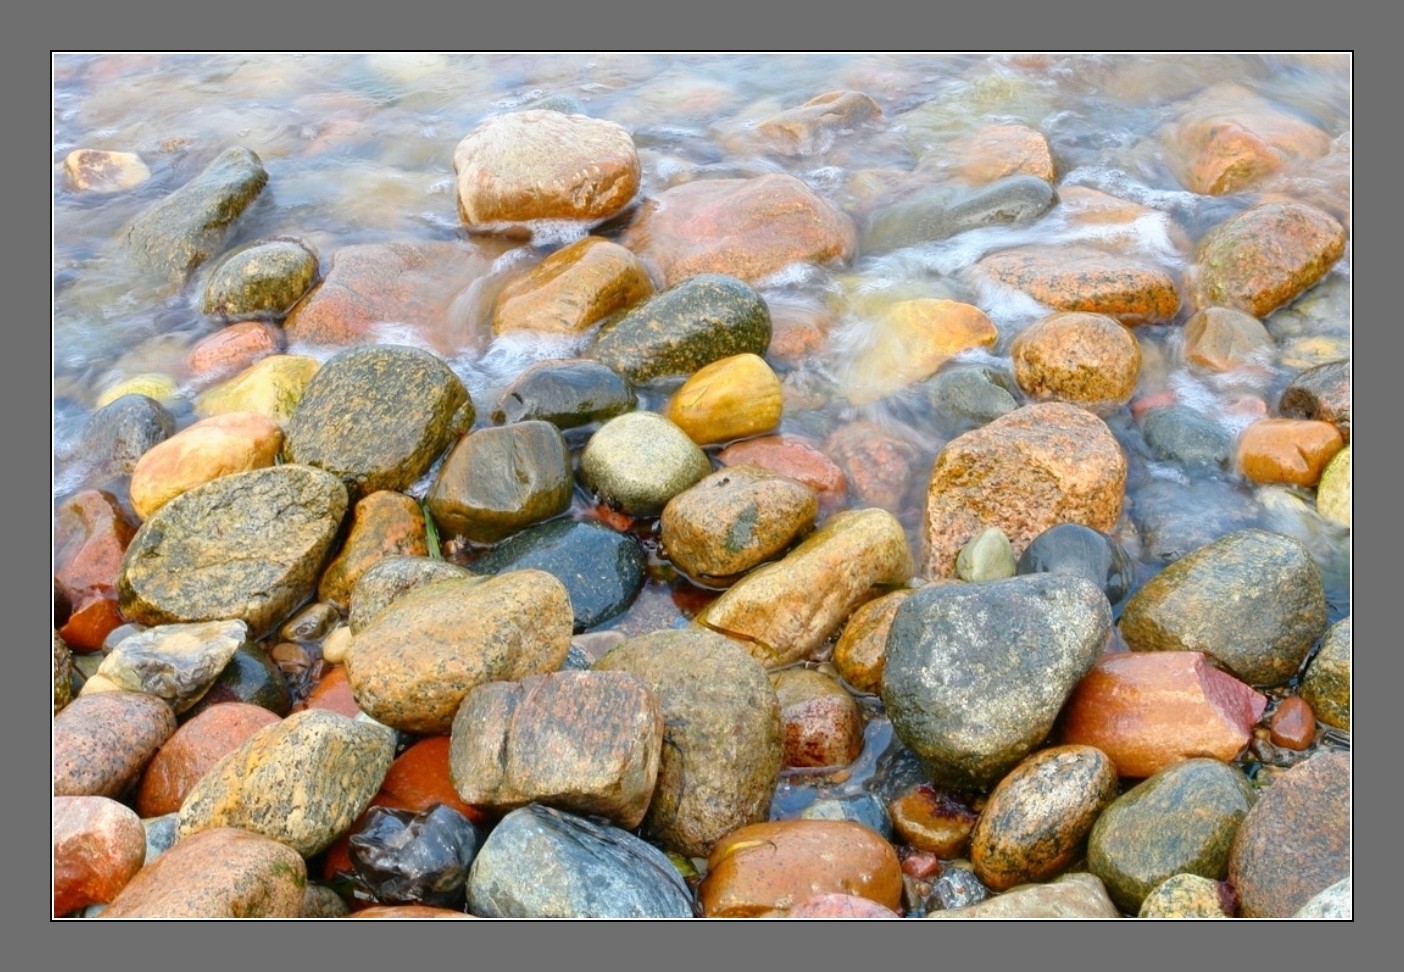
[[880, 466], [99, 845], [795, 458], [419, 778], [333, 693], [230, 350], [190, 752], [921, 865], [414, 912], [1293, 725], [90, 536]]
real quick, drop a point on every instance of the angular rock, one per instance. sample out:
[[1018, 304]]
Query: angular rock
[[862, 647], [1283, 450], [175, 662], [784, 611], [975, 675], [938, 213], [1222, 339], [414, 403], [1087, 359], [98, 845], [301, 782], [1076, 277], [572, 289], [639, 461], [1326, 684], [217, 446], [262, 279], [1032, 469], [912, 339], [1151, 711], [1070, 896], [119, 433], [403, 857], [732, 398], [273, 387], [1321, 393], [244, 547], [722, 749], [412, 666], [795, 458], [822, 725], [1252, 600], [861, 808], [387, 579], [498, 480], [543, 863], [567, 393], [191, 225], [91, 534], [192, 750], [383, 524]]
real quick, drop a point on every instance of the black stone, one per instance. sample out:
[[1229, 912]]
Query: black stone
[[251, 677], [567, 394], [402, 857], [1072, 548]]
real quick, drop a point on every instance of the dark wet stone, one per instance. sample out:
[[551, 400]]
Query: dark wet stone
[[251, 677], [863, 808], [377, 417], [1184, 435], [1175, 519], [1321, 393], [602, 570], [966, 398], [1072, 548], [262, 279], [976, 673], [102, 742], [119, 433], [497, 481], [63, 674], [956, 888], [245, 547], [544, 863], [390, 577], [567, 394], [1251, 600], [191, 225], [1180, 821], [942, 212], [404, 857], [675, 332]]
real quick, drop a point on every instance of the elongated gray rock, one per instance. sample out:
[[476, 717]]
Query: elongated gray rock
[[247, 547], [976, 674], [942, 212]]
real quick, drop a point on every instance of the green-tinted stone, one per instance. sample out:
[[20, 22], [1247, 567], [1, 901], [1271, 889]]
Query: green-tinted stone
[[1326, 685], [264, 278]]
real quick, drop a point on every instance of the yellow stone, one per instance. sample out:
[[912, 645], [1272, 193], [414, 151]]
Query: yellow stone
[[218, 446], [163, 388], [912, 339], [272, 387], [94, 170], [732, 398], [1333, 492]]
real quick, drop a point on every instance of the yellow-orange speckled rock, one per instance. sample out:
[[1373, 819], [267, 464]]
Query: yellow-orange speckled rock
[[272, 386], [220, 873], [217, 446], [97, 171], [572, 289], [861, 648], [733, 398], [384, 524], [911, 341], [1087, 359], [1080, 278], [1026, 471], [1279, 450], [768, 868], [301, 782]]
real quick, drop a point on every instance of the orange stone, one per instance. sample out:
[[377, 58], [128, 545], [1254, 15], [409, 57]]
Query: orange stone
[[333, 693], [230, 350], [91, 533], [1151, 710], [192, 749], [384, 524], [572, 289], [911, 342], [1293, 725], [1295, 451], [997, 151], [220, 445], [1221, 339], [862, 648], [791, 456], [1088, 359], [1075, 277], [419, 778], [933, 820], [770, 867]]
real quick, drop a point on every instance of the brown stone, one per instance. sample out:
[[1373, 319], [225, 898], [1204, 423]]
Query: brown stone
[[217, 446], [771, 867], [102, 742], [531, 165], [911, 341], [98, 845], [192, 750], [91, 533], [232, 349], [1296, 841], [1221, 339], [572, 289], [1074, 277], [796, 458], [878, 465], [862, 646], [383, 524], [1147, 711], [799, 329], [812, 126], [1293, 725], [1024, 472], [1264, 257], [821, 723], [937, 821], [1280, 450], [748, 228], [993, 152], [1087, 359], [1321, 393], [98, 171], [220, 873], [732, 398]]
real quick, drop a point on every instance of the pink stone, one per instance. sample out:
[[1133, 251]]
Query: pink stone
[[99, 844]]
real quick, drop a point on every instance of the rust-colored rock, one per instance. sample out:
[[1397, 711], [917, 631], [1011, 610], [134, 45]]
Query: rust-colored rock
[[812, 126], [910, 342], [218, 446], [1075, 277], [822, 725], [419, 778], [91, 533], [1087, 359], [936, 821], [748, 228], [101, 742], [879, 465], [793, 457], [1293, 725], [1026, 471], [98, 845], [1221, 339], [1280, 450], [572, 289], [1147, 711], [768, 868], [220, 873], [231, 349], [333, 693], [383, 524], [192, 750], [862, 646]]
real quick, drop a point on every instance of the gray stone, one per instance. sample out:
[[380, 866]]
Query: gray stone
[[567, 394], [388, 578], [1182, 434], [1336, 903], [497, 481], [639, 461], [1176, 518], [1072, 548], [262, 279], [863, 808], [120, 432], [1070, 896], [245, 547], [175, 662], [1321, 393], [976, 674], [941, 212], [1326, 684], [968, 397]]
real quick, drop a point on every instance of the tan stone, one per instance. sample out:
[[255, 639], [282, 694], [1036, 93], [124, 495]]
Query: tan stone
[[732, 398], [862, 646], [217, 446], [812, 126], [572, 289], [384, 524], [272, 387], [102, 742], [1151, 710], [993, 152], [1087, 359], [1295, 451], [1070, 896], [97, 171], [936, 821], [821, 723], [911, 342], [1076, 277], [1026, 471], [98, 845], [1221, 339]]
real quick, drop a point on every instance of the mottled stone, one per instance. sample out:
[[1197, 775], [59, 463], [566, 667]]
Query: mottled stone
[[572, 290], [301, 782], [1326, 684], [498, 480], [220, 873], [785, 610], [1034, 468], [993, 152], [1087, 359], [987, 556], [1283, 450], [1151, 711], [795, 458], [91, 534], [940, 212], [1071, 548], [639, 461], [247, 547], [585, 742], [813, 126], [862, 646], [383, 524], [878, 463], [1036, 821], [1076, 277], [1333, 491], [1184, 896], [387, 579], [1296, 841], [98, 845], [1252, 600], [1181, 434], [567, 393], [412, 666], [1222, 339], [861, 808], [1321, 393], [910, 341], [119, 433], [102, 742], [262, 279], [1070, 896], [698, 320], [768, 868], [63, 674], [936, 820], [192, 750], [414, 403], [102, 172], [273, 387], [175, 662], [722, 749], [748, 228], [1333, 903], [976, 674], [189, 226], [822, 725], [217, 446], [320, 901], [732, 398], [232, 349]]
